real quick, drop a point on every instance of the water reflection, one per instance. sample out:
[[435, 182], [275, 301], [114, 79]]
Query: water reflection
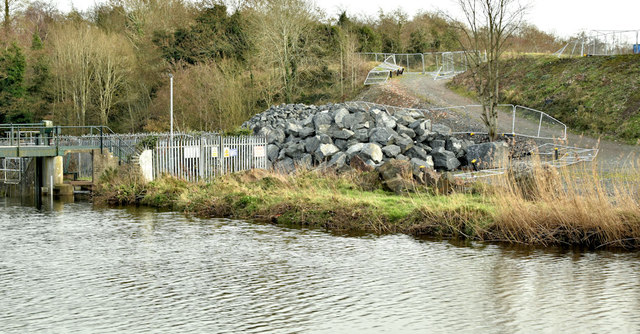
[[138, 270]]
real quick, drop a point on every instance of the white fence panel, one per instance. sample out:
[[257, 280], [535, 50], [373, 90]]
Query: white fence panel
[[205, 157]]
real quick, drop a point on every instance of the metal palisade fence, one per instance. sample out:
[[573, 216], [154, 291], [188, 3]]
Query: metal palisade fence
[[203, 157]]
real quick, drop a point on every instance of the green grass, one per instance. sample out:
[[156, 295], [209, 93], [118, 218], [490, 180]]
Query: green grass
[[351, 203]]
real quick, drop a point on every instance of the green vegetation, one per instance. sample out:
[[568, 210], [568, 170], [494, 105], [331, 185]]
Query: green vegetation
[[347, 203], [530, 208], [110, 65], [596, 95]]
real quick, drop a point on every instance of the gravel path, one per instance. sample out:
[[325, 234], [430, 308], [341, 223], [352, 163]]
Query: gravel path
[[421, 91]]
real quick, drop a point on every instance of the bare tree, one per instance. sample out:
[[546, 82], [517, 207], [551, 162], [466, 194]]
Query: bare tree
[[91, 70], [10, 6], [488, 27], [283, 38], [113, 62]]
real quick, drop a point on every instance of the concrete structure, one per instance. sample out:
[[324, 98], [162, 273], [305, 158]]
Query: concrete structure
[[41, 147]]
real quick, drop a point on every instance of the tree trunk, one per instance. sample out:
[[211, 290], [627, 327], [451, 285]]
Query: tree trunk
[[7, 18]]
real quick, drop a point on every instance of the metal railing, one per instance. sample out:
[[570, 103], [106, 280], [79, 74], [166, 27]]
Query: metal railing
[[440, 65], [203, 157], [512, 119], [11, 170], [382, 72], [65, 137]]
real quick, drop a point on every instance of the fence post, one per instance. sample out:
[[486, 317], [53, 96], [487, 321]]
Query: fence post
[[220, 155], [540, 124], [101, 143], [513, 125], [201, 158], [120, 155]]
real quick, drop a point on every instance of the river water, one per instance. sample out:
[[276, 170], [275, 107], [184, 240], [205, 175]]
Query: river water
[[83, 269]]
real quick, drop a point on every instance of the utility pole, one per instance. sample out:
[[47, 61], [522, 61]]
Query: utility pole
[[171, 105]]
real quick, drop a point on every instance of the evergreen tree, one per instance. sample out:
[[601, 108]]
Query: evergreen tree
[[12, 70]]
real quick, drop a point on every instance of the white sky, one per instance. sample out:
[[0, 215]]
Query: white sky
[[562, 17]]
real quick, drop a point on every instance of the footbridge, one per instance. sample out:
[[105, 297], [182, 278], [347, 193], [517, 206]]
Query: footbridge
[[37, 152]]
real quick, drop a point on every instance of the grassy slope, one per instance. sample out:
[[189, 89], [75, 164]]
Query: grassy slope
[[355, 203], [597, 95]]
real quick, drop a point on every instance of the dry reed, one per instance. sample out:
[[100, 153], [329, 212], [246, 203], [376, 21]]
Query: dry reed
[[574, 205]]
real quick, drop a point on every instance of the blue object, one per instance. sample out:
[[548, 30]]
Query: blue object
[[636, 49]]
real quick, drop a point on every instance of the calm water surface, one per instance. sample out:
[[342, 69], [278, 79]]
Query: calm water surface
[[81, 269]]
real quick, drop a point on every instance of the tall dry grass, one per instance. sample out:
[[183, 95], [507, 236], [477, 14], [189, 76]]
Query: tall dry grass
[[574, 205]]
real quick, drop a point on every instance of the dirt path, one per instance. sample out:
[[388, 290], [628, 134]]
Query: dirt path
[[421, 91]]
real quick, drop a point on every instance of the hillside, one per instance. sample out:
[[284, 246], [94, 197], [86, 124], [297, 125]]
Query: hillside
[[596, 95]]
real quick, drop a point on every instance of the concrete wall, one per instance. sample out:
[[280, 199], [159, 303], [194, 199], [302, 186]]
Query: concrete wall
[[146, 165], [52, 169]]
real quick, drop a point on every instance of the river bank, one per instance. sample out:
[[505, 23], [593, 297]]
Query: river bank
[[568, 208]]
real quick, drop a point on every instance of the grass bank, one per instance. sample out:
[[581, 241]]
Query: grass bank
[[596, 95], [340, 203], [539, 207]]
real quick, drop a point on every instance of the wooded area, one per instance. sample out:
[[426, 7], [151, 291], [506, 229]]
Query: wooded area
[[110, 65]]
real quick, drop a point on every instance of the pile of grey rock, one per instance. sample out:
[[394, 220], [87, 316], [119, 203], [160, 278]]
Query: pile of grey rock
[[332, 135]]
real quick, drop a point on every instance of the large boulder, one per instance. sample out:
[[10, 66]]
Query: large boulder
[[354, 149], [273, 136], [311, 144], [272, 152], [306, 132], [401, 129], [285, 166], [417, 152], [325, 151], [443, 159], [339, 115], [371, 151], [418, 167], [342, 134], [322, 118], [382, 136], [533, 181], [404, 142], [293, 128], [338, 160], [456, 146], [384, 120], [397, 176], [306, 161], [488, 155], [350, 121], [294, 150], [391, 151], [357, 163]]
